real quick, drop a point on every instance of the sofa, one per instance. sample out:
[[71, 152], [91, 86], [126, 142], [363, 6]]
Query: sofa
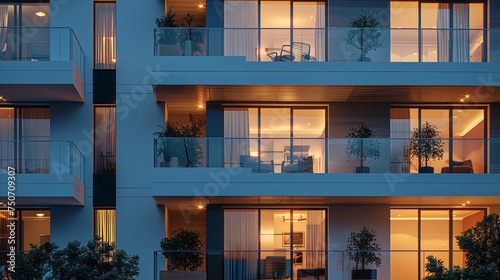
[[255, 165], [459, 167]]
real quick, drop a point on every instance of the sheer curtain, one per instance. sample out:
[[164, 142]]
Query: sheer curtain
[[4, 20], [315, 239], [443, 33], [241, 28], [6, 137], [236, 133], [241, 233], [461, 36], [319, 38], [36, 136], [400, 131], [105, 225], [105, 36], [105, 140]]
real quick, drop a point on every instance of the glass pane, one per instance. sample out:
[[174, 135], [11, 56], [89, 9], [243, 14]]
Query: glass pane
[[275, 131], [441, 119], [241, 236], [404, 236], [35, 132], [105, 225], [6, 133], [275, 24], [468, 141], [309, 243], [309, 23], [435, 21], [105, 140], [35, 228], [404, 42], [435, 236], [309, 123], [105, 36], [275, 242], [463, 220]]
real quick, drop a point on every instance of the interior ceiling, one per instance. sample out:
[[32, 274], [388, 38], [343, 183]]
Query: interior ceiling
[[400, 201], [184, 99], [405, 214], [182, 7]]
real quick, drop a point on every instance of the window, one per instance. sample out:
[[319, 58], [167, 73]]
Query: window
[[434, 238], [104, 139], [105, 225], [26, 135], [104, 35], [462, 129]]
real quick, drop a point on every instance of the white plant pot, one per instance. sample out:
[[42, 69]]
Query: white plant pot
[[188, 48]]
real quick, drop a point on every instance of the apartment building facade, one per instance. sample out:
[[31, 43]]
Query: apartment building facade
[[84, 86]]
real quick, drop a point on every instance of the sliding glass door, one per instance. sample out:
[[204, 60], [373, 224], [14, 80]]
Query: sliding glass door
[[274, 243], [281, 139]]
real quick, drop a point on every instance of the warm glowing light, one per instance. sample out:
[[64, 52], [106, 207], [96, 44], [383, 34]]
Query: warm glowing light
[[434, 27], [254, 154], [434, 51], [113, 60], [462, 100], [40, 214], [2, 99], [200, 207], [415, 53], [463, 204], [400, 27], [467, 96], [40, 14], [200, 6], [200, 106], [468, 202]]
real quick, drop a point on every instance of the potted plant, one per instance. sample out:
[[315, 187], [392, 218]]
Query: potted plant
[[183, 264], [426, 144], [362, 148], [363, 250], [191, 37], [167, 35], [176, 144], [364, 36]]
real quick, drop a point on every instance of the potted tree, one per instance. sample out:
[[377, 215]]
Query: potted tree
[[183, 264], [363, 250], [167, 35], [176, 144], [425, 143], [360, 147], [191, 37], [364, 35]]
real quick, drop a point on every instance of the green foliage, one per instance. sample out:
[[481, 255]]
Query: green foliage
[[35, 263], [168, 20], [188, 151], [186, 240], [96, 260], [425, 143], [364, 36], [481, 244], [363, 248], [371, 148]]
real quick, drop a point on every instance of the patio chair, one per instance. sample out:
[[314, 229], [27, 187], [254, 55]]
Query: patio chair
[[298, 51]]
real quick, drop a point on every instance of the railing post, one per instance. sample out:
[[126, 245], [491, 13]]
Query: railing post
[[155, 265]]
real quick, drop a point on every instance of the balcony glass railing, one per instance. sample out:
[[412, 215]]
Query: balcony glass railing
[[302, 263], [332, 155], [41, 44], [334, 44], [42, 157]]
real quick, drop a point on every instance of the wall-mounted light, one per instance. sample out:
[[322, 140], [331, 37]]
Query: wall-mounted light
[[40, 14]]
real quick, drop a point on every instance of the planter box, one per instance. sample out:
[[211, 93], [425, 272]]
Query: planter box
[[364, 274], [427, 169], [183, 275], [365, 169]]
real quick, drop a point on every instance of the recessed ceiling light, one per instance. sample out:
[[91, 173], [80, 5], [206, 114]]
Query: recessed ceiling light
[[40, 214], [467, 96], [468, 202], [462, 100], [40, 14], [200, 6], [201, 207], [463, 204], [200, 106]]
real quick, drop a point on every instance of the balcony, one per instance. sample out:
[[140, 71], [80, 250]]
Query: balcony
[[45, 172], [41, 65], [316, 169], [334, 44]]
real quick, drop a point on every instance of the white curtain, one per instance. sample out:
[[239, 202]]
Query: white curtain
[[4, 20], [443, 33], [105, 140], [241, 234], [461, 36], [6, 139], [315, 239], [35, 133], [319, 38], [400, 131], [236, 133], [105, 225], [241, 28], [105, 36]]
